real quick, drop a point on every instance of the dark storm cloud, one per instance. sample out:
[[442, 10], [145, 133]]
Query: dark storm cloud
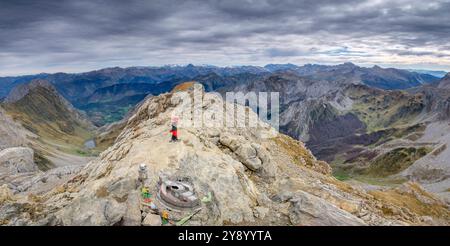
[[36, 35]]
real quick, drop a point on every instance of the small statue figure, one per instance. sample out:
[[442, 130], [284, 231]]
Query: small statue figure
[[143, 175]]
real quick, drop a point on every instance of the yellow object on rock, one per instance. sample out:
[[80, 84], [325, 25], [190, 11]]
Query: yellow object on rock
[[165, 214]]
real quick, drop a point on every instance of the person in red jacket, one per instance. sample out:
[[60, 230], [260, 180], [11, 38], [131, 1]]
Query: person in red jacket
[[174, 129], [174, 132]]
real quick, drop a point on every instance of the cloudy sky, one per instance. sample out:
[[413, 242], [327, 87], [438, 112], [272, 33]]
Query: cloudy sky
[[81, 35]]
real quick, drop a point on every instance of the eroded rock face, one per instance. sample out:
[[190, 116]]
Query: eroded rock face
[[310, 210], [445, 82], [39, 182], [252, 155], [249, 157], [133, 215], [17, 160], [87, 212], [12, 134], [241, 176]]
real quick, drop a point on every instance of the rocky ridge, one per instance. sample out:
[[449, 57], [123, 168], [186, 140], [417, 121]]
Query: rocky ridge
[[445, 82], [12, 134], [250, 179], [32, 120]]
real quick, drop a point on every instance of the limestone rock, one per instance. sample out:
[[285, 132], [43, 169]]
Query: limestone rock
[[268, 169], [12, 133], [5, 193], [261, 212], [17, 160], [248, 156], [229, 141], [152, 220], [88, 212], [133, 213], [309, 210], [445, 82], [252, 155]]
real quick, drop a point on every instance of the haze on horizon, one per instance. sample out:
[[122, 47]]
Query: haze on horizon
[[83, 35]]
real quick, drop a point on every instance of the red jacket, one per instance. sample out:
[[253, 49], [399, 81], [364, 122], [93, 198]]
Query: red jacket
[[174, 133]]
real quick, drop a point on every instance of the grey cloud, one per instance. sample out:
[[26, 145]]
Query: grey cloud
[[416, 53], [277, 52], [93, 32]]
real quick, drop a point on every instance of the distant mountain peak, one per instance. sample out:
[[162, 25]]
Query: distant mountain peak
[[445, 82], [39, 106], [22, 90], [438, 74], [277, 67], [349, 64], [38, 83]]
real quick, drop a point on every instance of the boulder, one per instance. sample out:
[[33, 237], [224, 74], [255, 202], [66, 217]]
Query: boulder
[[260, 212], [17, 160], [252, 155], [309, 210], [229, 141], [85, 211], [133, 213], [268, 168], [44, 181], [248, 156], [152, 220], [12, 133]]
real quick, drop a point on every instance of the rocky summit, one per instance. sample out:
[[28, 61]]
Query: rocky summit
[[445, 82], [212, 176], [12, 133]]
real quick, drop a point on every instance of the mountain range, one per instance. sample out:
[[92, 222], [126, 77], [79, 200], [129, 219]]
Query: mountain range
[[439, 74], [236, 176], [445, 82], [372, 147], [40, 118], [91, 91]]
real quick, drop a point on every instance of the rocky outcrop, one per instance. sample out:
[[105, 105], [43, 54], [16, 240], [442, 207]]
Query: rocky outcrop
[[445, 82], [48, 130], [241, 176], [102, 211], [37, 182], [17, 160], [12, 134], [310, 210], [54, 128], [152, 220], [252, 155], [133, 216], [22, 90]]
